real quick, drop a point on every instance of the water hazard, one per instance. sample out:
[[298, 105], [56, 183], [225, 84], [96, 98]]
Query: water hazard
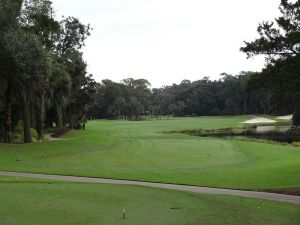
[[274, 133], [283, 133]]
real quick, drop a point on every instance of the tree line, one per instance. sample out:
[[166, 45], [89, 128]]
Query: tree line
[[43, 76], [230, 95]]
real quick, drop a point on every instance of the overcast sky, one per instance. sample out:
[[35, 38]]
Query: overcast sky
[[166, 41]]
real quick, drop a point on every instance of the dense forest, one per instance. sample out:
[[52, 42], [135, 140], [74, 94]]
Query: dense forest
[[231, 95], [44, 81]]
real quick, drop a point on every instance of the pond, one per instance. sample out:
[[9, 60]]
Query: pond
[[274, 133], [280, 133]]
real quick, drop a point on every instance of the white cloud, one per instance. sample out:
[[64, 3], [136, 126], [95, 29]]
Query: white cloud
[[166, 41]]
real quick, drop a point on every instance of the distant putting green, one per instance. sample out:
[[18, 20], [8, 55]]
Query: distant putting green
[[28, 202], [141, 151]]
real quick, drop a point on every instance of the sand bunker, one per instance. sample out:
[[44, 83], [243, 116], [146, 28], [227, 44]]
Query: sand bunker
[[288, 117], [259, 120]]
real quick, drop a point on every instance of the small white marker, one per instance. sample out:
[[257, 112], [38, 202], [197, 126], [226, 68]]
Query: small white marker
[[124, 213]]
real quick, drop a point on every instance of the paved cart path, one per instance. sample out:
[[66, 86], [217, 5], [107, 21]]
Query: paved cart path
[[205, 190]]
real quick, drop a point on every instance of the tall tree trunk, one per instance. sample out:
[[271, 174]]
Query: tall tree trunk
[[8, 120], [71, 120], [32, 113], [245, 105], [59, 120], [296, 116], [41, 116], [83, 121], [26, 118]]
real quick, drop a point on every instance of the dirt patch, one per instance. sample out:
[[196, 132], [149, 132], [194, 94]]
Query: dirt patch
[[60, 132], [286, 191], [56, 136]]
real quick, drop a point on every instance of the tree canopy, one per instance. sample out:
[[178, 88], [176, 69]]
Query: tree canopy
[[42, 70], [279, 41], [132, 99]]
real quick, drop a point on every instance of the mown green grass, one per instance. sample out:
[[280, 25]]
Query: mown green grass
[[141, 151], [31, 202]]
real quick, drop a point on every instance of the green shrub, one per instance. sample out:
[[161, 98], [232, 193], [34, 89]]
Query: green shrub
[[18, 133], [34, 134], [296, 144]]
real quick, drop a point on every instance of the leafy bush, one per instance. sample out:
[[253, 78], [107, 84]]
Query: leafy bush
[[18, 133], [34, 134]]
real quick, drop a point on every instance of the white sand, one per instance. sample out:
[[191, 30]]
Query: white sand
[[259, 120], [288, 117]]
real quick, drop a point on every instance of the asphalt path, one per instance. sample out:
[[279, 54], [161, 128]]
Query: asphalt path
[[188, 188]]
